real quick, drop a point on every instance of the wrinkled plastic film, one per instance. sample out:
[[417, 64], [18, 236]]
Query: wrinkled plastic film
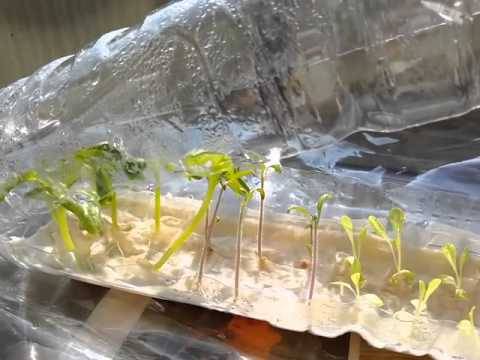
[[256, 73]]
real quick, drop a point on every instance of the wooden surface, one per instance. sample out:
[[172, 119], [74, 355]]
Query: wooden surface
[[360, 350]]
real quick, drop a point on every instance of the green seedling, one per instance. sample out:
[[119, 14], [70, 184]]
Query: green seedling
[[56, 195], [358, 283], [450, 253], [155, 167], [313, 224], [209, 225], [263, 167], [238, 185], [396, 218], [234, 181], [104, 161], [213, 167], [467, 326], [424, 294], [356, 243]]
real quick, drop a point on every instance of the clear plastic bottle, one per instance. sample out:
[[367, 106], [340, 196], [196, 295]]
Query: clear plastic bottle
[[254, 74]]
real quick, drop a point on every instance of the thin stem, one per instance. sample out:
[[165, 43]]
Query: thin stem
[[208, 235], [260, 228], [205, 246], [213, 220], [314, 240], [178, 243], [399, 251], [157, 208], [394, 254], [114, 209], [354, 249], [60, 217], [241, 215], [357, 290]]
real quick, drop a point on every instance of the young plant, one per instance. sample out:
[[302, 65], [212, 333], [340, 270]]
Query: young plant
[[450, 253], [155, 167], [313, 224], [209, 225], [396, 218], [356, 243], [239, 186], [85, 207], [424, 294], [263, 167], [104, 161], [358, 283], [213, 167], [467, 326]]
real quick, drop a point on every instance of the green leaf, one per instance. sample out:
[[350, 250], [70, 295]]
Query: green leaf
[[397, 219], [134, 168], [421, 290], [238, 186], [405, 275], [321, 202], [431, 288], [448, 280], [356, 267], [276, 167], [356, 279], [203, 164], [450, 253], [299, 210], [468, 325], [461, 294], [261, 192], [378, 227], [347, 225], [178, 243], [171, 167]]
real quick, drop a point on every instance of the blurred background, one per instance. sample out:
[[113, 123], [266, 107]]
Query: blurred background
[[34, 32]]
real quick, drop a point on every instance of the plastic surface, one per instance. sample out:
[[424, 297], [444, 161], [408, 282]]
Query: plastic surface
[[251, 75], [50, 317]]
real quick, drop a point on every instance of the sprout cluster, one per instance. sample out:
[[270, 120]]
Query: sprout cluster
[[82, 187]]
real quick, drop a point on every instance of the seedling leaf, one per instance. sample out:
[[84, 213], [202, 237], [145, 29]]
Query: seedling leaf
[[321, 202], [421, 290], [461, 294], [277, 168], [432, 287], [450, 253], [467, 326], [407, 275], [347, 225], [299, 210], [397, 219], [357, 282], [378, 227], [448, 280]]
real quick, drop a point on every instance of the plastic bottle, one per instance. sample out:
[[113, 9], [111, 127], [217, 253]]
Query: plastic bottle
[[253, 74]]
